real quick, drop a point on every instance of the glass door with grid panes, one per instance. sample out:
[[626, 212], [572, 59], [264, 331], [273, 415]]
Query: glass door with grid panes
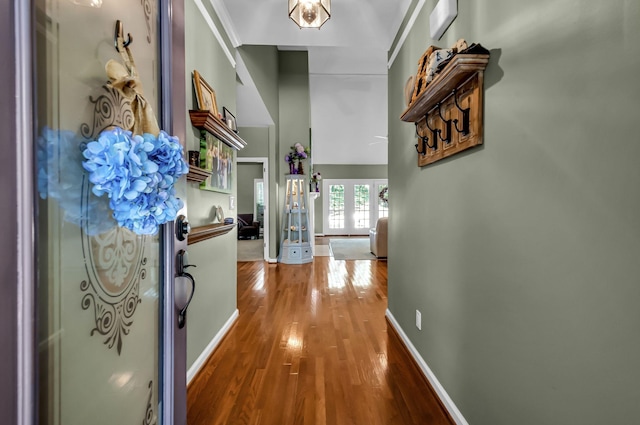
[[351, 207], [382, 206]]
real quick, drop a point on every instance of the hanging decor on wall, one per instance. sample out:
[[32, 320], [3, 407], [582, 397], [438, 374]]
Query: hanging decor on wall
[[218, 159], [310, 13], [447, 101]]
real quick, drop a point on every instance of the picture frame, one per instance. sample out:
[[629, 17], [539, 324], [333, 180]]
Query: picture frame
[[230, 119], [205, 95], [217, 157]]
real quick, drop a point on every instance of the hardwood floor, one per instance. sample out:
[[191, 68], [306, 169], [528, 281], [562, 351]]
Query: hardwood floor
[[312, 346]]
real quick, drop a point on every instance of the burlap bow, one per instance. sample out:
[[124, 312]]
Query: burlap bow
[[124, 79]]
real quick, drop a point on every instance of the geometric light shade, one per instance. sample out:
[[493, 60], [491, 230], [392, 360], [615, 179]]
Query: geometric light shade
[[310, 13]]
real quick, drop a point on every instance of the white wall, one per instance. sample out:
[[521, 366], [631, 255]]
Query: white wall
[[348, 90]]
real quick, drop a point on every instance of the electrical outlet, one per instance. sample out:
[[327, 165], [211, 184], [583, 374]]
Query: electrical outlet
[[418, 320]]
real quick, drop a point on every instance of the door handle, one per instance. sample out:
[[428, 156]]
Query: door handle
[[182, 314], [182, 264]]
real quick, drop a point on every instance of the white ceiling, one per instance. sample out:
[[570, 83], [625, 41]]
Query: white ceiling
[[347, 66]]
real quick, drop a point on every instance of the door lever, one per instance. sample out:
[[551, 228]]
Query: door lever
[[182, 261]]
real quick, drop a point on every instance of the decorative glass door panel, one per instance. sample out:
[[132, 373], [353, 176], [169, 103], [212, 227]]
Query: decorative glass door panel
[[99, 283], [383, 207]]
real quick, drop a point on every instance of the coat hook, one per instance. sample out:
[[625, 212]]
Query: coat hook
[[434, 133], [465, 115], [446, 123], [423, 142], [119, 35]]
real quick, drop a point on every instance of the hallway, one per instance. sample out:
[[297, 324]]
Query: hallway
[[312, 346]]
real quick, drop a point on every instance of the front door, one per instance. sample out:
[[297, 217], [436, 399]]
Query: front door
[[101, 280]]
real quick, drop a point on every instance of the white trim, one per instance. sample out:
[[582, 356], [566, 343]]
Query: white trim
[[405, 33], [25, 279], [267, 212], [273, 261], [439, 389], [225, 19], [204, 356], [255, 201], [214, 30]]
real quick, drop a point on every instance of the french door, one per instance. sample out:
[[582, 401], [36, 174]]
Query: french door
[[104, 293], [351, 207]]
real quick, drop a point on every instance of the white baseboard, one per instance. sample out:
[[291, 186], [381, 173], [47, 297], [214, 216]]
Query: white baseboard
[[273, 260], [439, 389], [202, 358]]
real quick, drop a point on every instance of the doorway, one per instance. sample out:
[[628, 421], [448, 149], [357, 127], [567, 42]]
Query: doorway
[[352, 207], [253, 196]]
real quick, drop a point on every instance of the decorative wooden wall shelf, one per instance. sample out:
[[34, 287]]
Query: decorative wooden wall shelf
[[201, 233], [448, 114], [205, 120], [197, 174]]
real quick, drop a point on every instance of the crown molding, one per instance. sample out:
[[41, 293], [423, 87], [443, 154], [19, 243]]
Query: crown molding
[[227, 23], [405, 32], [212, 26]]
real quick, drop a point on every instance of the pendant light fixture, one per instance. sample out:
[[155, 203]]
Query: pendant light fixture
[[310, 13]]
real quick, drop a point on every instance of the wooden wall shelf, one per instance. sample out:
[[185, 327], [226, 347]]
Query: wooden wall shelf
[[448, 114], [205, 120], [197, 174], [201, 233]]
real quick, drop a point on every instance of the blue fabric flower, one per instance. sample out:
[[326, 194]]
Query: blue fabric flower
[[137, 173]]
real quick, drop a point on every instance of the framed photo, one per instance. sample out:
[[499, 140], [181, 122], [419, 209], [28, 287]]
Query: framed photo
[[218, 158], [205, 95], [230, 119]]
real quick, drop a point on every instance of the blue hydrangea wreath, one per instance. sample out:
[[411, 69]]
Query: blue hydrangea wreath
[[137, 173]]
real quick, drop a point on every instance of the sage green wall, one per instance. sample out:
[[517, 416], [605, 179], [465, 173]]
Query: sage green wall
[[336, 171], [257, 139], [215, 297], [247, 172], [294, 105], [525, 267], [262, 62]]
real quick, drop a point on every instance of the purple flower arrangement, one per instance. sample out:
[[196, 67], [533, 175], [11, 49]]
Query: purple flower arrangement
[[298, 152], [137, 173]]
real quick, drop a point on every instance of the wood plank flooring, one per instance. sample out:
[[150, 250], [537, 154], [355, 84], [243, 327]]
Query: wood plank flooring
[[312, 346]]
